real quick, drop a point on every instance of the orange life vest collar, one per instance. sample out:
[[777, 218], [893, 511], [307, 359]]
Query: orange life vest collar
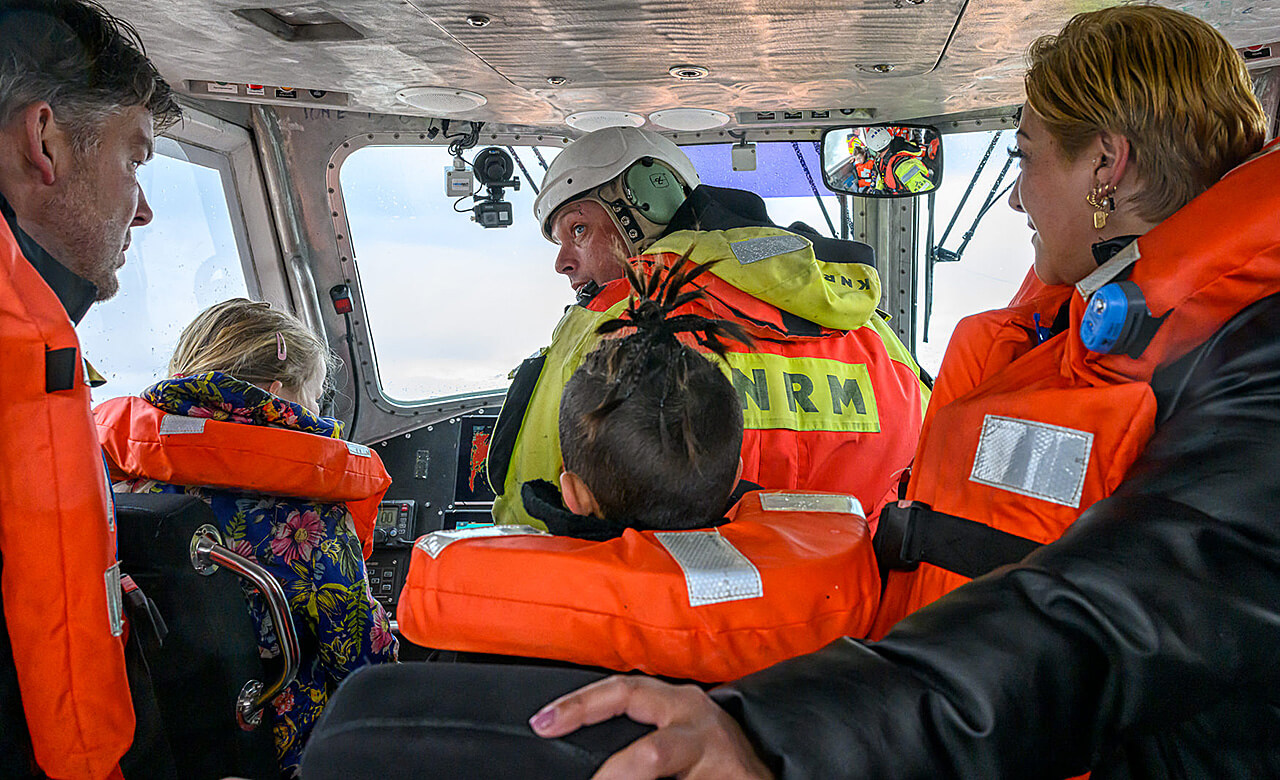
[[143, 441], [792, 572]]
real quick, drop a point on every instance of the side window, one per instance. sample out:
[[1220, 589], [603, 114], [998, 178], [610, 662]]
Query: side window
[[452, 307], [186, 260], [997, 257]]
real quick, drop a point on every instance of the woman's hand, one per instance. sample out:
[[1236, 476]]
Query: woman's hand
[[695, 738]]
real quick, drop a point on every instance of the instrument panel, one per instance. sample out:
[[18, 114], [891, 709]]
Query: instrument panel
[[438, 482]]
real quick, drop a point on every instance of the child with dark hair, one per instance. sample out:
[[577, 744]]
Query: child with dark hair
[[650, 429], [651, 564]]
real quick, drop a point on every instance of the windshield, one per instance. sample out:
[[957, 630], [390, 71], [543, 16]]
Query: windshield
[[454, 307]]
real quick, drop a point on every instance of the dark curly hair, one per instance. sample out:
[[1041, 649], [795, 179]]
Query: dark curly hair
[[652, 426], [82, 61]]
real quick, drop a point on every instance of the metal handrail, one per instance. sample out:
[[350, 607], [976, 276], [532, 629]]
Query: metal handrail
[[207, 554]]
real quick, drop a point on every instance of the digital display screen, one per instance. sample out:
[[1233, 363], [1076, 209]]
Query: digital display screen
[[387, 516], [472, 486]]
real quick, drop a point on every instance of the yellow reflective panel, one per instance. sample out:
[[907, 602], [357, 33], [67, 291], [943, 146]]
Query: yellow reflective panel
[[803, 394]]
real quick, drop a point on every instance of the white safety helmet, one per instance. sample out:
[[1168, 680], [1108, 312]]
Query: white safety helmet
[[878, 138], [598, 165]]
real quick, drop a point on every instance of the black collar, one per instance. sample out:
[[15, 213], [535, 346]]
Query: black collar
[[1105, 250], [543, 502], [724, 208], [75, 292]]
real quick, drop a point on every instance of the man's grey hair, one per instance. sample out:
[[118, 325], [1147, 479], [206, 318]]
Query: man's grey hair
[[82, 61]]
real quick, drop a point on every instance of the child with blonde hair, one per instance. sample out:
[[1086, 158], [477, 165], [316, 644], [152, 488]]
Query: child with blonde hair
[[290, 495]]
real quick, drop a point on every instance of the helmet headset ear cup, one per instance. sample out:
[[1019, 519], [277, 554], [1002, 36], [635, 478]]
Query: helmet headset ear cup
[[600, 159], [654, 189]]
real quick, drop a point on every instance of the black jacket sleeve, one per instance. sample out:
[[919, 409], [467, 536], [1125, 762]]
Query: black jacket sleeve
[[1144, 643]]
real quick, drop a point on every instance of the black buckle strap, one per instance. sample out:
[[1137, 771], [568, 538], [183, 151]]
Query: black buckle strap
[[145, 620], [911, 533]]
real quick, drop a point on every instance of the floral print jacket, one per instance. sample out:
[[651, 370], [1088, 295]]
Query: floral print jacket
[[310, 547]]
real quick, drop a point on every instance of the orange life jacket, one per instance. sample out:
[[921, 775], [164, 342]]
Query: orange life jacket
[[61, 581], [143, 441], [849, 444], [789, 573], [1026, 439], [866, 173]]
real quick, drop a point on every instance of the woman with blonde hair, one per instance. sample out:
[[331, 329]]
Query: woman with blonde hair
[[238, 425], [1124, 417]]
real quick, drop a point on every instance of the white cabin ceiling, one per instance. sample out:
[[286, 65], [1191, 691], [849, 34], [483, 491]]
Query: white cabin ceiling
[[949, 56]]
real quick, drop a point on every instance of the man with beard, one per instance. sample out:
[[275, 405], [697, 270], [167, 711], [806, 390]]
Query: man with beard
[[79, 105]]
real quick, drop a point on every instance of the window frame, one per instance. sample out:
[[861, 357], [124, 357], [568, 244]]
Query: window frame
[[367, 374], [228, 148]]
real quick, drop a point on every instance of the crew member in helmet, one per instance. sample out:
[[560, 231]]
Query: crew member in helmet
[[898, 163], [831, 398]]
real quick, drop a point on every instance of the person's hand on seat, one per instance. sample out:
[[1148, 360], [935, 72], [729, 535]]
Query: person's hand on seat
[[695, 739]]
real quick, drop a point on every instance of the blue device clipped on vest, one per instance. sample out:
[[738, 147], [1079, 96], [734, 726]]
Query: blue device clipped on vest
[[1117, 320]]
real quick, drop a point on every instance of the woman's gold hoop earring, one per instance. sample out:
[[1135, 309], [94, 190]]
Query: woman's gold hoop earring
[[1100, 198]]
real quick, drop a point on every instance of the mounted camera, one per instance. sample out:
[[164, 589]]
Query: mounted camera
[[495, 171]]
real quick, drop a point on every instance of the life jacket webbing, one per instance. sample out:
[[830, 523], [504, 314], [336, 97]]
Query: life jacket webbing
[[911, 533]]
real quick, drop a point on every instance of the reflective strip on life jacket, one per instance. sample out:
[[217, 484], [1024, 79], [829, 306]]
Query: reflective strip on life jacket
[[143, 441], [790, 573], [60, 577], [1025, 439]]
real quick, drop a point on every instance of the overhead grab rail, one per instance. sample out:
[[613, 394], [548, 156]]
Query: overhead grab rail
[[936, 253], [512, 151], [541, 160], [207, 554]]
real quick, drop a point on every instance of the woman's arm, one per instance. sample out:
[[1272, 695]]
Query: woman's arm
[[1154, 615]]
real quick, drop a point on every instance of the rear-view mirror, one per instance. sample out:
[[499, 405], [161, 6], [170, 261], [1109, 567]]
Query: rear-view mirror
[[882, 161]]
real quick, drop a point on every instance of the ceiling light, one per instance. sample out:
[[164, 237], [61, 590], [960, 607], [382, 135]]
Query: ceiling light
[[689, 118], [557, 81], [479, 20], [880, 67], [598, 120], [688, 72], [441, 100]]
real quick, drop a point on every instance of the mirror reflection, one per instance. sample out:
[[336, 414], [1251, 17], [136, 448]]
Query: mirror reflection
[[888, 161]]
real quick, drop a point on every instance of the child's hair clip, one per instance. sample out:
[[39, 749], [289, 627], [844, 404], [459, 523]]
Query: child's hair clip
[[281, 351]]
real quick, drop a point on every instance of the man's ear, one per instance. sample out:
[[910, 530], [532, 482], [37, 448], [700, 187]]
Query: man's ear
[[737, 477], [43, 143], [578, 498]]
